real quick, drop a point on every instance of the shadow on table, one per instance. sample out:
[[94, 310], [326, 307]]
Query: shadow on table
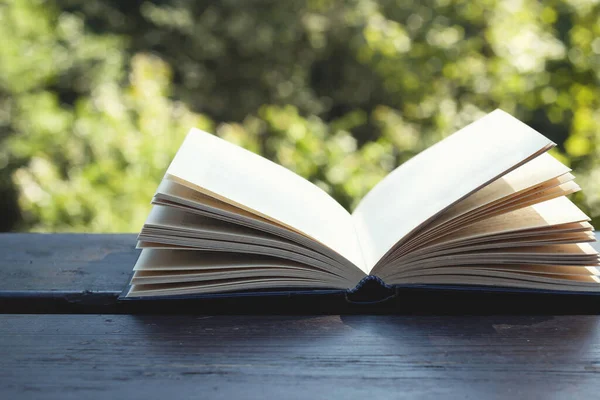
[[524, 355], [557, 333]]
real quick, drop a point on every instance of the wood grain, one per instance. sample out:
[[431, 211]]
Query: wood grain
[[66, 262], [68, 272], [313, 357]]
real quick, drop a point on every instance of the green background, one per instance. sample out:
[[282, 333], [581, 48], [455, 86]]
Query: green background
[[96, 96]]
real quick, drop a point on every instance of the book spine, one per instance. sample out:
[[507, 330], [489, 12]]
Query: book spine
[[371, 290]]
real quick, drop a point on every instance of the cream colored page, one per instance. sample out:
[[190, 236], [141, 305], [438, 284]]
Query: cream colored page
[[557, 211], [535, 172], [440, 176], [164, 216], [164, 260], [261, 186]]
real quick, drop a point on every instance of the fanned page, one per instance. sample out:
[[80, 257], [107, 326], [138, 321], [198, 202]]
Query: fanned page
[[225, 219], [440, 176], [238, 177], [518, 231]]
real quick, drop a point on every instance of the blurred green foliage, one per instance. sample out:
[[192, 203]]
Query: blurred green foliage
[[95, 97]]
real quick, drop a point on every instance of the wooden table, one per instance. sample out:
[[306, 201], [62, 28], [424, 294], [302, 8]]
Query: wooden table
[[64, 335]]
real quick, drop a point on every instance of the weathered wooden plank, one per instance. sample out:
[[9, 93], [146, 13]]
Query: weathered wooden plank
[[120, 356], [66, 262], [53, 271], [86, 273]]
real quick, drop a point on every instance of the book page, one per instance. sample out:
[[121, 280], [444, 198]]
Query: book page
[[543, 215], [167, 224], [531, 175], [440, 176], [176, 196], [180, 266], [540, 179], [234, 175], [504, 279]]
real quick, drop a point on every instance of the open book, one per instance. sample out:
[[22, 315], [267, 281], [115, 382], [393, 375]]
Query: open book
[[486, 206]]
